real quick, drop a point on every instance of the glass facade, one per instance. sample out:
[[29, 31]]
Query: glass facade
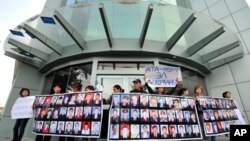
[[82, 73], [67, 76]]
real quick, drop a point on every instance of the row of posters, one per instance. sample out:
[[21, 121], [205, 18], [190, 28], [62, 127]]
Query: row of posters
[[71, 114], [145, 116], [218, 115]]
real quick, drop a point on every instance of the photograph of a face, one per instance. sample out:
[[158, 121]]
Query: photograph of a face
[[78, 113], [70, 112], [87, 112], [172, 131], [153, 101], [176, 103], [125, 115], [125, 100], [144, 101], [39, 126], [53, 100], [72, 100], [66, 99], [53, 126], [184, 103], [96, 113], [169, 102], [191, 104], [187, 118], [145, 131], [164, 131], [114, 131], [154, 116], [88, 100], [124, 131], [95, 128], [46, 127], [208, 128], [79, 99], [163, 116], [155, 132], [134, 100], [59, 101], [181, 131], [86, 127], [77, 128], [116, 100], [134, 115], [189, 131], [68, 128], [97, 99], [196, 132], [115, 115], [144, 115], [171, 116], [161, 102], [135, 131], [60, 127]]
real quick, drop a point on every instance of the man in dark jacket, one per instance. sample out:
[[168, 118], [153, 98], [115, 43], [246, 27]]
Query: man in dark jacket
[[137, 87]]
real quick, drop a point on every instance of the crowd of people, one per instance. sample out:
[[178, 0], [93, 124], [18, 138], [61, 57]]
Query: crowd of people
[[20, 124]]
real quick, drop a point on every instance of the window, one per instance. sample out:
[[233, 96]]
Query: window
[[67, 76]]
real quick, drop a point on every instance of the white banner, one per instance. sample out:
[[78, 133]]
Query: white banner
[[163, 76], [23, 108]]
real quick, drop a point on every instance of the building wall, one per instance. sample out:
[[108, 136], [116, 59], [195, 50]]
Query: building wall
[[27, 77], [233, 76]]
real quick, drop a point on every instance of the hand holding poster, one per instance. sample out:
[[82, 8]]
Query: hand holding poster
[[218, 115], [162, 76], [76, 114], [151, 117], [23, 108]]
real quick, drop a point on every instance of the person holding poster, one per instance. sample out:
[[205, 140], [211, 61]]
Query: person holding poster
[[137, 87], [20, 124], [198, 89], [57, 91]]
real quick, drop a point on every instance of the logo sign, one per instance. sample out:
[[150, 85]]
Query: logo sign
[[239, 132]]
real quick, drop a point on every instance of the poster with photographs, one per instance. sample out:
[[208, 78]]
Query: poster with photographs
[[151, 117], [218, 114], [74, 114]]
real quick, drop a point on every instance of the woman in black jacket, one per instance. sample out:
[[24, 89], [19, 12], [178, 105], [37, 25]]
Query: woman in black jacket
[[20, 124]]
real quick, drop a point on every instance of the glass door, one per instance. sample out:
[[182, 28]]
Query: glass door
[[106, 83]]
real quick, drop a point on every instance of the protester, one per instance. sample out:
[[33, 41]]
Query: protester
[[137, 87], [20, 124], [198, 93], [162, 90], [57, 90]]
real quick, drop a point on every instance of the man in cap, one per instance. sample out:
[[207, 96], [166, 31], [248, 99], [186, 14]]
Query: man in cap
[[137, 87]]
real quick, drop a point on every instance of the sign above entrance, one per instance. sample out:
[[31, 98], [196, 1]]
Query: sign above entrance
[[163, 76]]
